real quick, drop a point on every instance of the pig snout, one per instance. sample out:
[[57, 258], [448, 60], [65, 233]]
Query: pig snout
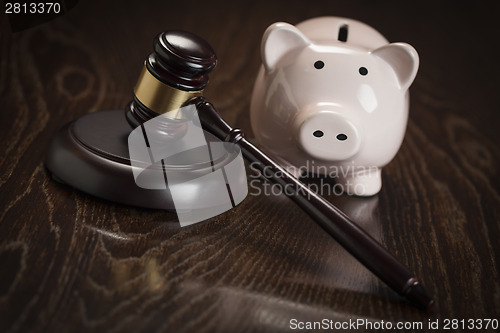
[[327, 135]]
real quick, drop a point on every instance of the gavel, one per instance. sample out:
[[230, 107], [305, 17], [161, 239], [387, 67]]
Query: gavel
[[174, 76]]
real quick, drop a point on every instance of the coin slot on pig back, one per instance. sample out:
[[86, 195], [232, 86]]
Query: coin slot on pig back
[[343, 31]]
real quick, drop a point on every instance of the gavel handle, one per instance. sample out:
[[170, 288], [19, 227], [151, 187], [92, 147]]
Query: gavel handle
[[347, 233]]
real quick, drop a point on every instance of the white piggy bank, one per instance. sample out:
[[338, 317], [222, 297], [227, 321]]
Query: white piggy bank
[[332, 98]]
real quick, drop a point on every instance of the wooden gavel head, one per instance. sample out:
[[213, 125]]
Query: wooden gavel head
[[175, 73]]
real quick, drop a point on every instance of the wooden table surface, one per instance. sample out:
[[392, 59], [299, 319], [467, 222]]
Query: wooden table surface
[[72, 263]]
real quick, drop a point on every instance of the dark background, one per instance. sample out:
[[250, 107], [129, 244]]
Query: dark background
[[71, 262]]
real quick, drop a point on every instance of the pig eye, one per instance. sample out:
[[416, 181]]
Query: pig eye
[[318, 133], [363, 71], [319, 64]]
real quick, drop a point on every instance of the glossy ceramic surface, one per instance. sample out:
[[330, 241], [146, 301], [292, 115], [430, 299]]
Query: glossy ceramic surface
[[331, 98]]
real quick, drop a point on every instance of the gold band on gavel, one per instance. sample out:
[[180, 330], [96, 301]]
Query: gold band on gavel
[[158, 96]]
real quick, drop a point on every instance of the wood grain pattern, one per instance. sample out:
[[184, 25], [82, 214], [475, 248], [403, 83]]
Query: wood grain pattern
[[71, 262]]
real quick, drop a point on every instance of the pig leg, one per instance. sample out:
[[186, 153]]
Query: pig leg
[[362, 183]]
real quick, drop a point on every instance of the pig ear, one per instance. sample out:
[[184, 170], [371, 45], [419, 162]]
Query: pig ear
[[279, 39], [404, 60]]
